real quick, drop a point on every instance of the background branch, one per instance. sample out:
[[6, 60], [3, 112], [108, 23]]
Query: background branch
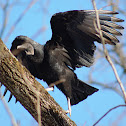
[[108, 58], [108, 112], [8, 110], [19, 19]]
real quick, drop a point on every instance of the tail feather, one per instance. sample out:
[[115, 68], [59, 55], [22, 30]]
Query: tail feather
[[81, 91]]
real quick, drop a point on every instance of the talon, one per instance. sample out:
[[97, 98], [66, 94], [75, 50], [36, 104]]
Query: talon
[[10, 97], [5, 92], [16, 101]]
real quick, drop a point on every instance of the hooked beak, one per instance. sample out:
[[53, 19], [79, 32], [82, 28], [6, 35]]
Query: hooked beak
[[28, 48]]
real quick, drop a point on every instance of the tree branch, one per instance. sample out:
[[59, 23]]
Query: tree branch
[[108, 112], [8, 110], [18, 80], [32, 2], [106, 52]]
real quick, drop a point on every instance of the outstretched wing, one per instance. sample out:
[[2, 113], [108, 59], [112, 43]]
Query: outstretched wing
[[75, 31]]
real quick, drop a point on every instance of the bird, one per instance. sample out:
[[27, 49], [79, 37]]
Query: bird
[[71, 46]]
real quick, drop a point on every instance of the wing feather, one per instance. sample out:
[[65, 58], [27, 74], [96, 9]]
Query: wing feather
[[78, 33]]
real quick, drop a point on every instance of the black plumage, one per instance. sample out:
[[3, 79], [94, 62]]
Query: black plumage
[[71, 46]]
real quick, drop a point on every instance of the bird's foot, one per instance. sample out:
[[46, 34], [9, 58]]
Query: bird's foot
[[68, 111], [50, 89]]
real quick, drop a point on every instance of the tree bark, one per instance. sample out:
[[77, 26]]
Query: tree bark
[[18, 80]]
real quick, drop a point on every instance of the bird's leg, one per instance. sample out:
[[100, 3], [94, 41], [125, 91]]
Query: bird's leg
[[69, 106], [50, 89]]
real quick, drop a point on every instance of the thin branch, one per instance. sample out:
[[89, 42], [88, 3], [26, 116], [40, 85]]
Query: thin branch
[[108, 112], [19, 19], [8, 110], [37, 96], [39, 110], [4, 18], [120, 53], [119, 119], [57, 82], [106, 86], [41, 30], [106, 52]]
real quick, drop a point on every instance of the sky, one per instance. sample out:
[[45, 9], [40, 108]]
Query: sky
[[86, 112]]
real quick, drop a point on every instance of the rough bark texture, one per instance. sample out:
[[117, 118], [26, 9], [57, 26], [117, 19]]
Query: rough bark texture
[[18, 80]]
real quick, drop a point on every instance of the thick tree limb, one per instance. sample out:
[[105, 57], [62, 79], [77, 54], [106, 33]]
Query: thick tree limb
[[18, 80]]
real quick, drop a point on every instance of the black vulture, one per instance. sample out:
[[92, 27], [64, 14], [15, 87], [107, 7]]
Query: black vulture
[[71, 46]]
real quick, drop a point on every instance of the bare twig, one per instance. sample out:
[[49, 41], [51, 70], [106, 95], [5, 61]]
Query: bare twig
[[41, 30], [106, 86], [5, 18], [108, 112], [106, 52], [57, 82], [106, 6], [119, 119], [39, 110], [19, 19], [38, 98], [8, 110]]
